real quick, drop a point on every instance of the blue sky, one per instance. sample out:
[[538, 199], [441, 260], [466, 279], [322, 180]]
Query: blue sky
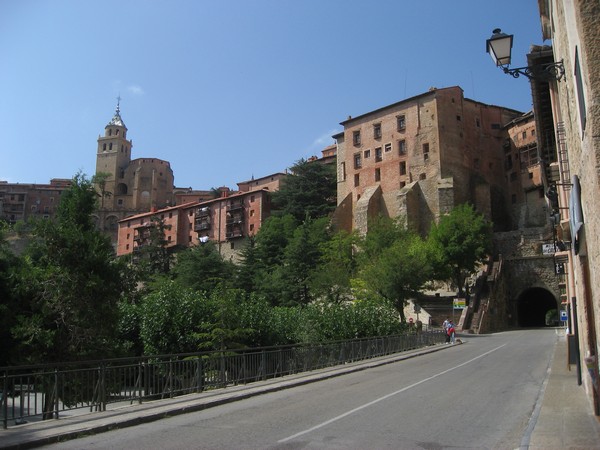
[[230, 89]]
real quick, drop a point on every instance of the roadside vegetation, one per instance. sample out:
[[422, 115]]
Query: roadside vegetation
[[67, 297]]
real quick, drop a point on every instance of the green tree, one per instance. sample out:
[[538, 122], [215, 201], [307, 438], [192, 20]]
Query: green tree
[[462, 241], [310, 191], [70, 285], [171, 316], [100, 179], [154, 256], [301, 256], [9, 304], [395, 263], [330, 280], [202, 268]]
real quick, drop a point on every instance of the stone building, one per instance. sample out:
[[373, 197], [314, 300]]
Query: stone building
[[128, 186], [420, 157], [568, 109]]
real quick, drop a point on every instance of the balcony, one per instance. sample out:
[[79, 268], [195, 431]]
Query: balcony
[[202, 226], [235, 206], [203, 212], [238, 233]]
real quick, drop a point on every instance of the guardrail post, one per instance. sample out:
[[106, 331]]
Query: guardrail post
[[5, 401], [102, 387], [263, 355], [199, 375], [56, 394]]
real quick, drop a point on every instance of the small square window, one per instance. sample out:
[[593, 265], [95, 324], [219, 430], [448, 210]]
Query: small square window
[[422, 176], [367, 154], [402, 184], [388, 147]]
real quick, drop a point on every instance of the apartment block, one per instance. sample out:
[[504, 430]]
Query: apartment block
[[228, 221], [24, 201]]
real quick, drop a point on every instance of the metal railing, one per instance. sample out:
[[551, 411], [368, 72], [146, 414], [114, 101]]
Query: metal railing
[[48, 391]]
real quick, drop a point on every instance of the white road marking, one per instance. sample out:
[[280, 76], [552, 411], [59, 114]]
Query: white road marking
[[366, 405]]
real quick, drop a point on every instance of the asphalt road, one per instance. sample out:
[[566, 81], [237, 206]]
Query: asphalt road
[[480, 395]]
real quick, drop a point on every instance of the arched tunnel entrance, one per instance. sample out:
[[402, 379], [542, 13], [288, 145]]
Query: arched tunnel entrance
[[532, 306]]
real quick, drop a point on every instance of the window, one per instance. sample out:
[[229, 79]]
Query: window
[[367, 154], [524, 135], [495, 126], [377, 131], [127, 247], [252, 199], [110, 146], [356, 137], [402, 184], [378, 154], [458, 118], [378, 174], [357, 161], [343, 171], [128, 235], [104, 147], [170, 215], [422, 176], [402, 167], [533, 132], [251, 213], [232, 246], [169, 239], [356, 180], [401, 122], [402, 147], [388, 147], [425, 148], [477, 123], [251, 227]]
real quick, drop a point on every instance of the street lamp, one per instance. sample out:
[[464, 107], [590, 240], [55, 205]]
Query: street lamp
[[499, 46]]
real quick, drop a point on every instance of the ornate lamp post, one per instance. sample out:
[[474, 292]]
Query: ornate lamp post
[[499, 46]]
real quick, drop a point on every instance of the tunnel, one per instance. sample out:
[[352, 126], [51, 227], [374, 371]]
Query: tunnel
[[532, 306]]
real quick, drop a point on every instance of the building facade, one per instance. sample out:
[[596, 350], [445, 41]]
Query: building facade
[[228, 221], [418, 158], [23, 201], [569, 110]]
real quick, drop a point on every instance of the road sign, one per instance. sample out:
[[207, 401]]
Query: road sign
[[563, 315]]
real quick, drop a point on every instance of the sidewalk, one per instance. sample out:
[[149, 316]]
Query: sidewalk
[[563, 420]]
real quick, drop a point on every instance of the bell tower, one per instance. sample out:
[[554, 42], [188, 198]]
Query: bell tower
[[112, 159]]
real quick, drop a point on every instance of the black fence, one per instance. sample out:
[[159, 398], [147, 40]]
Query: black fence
[[47, 391]]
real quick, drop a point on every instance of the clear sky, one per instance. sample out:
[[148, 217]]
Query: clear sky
[[230, 89]]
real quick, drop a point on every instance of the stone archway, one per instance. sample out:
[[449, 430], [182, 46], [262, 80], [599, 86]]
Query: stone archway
[[532, 306]]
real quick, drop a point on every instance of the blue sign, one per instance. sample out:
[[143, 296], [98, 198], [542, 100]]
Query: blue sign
[[563, 316]]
